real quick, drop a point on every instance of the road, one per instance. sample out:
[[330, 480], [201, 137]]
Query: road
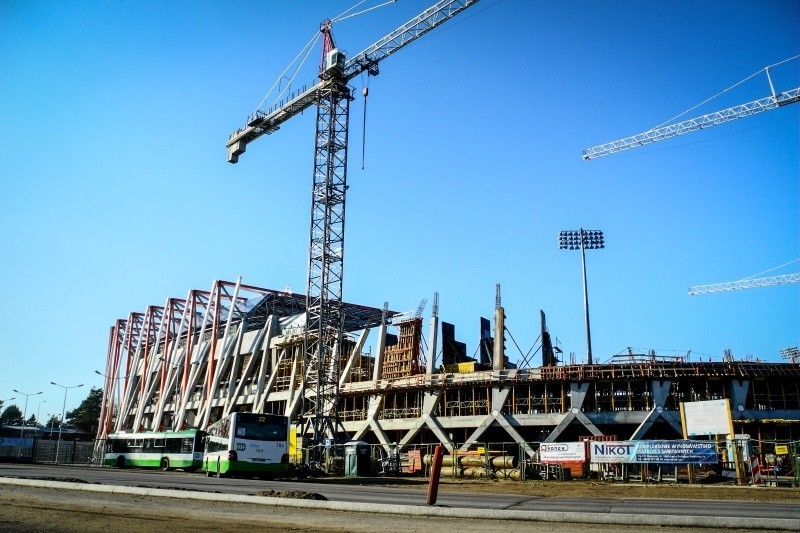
[[366, 491]]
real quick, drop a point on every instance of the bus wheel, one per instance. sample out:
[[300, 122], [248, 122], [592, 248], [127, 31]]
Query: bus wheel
[[219, 474], [121, 461], [164, 464]]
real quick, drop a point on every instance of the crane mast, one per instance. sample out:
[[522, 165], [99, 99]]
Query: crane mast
[[775, 100], [332, 97]]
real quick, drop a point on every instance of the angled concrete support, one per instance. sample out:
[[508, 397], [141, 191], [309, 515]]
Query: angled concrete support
[[577, 392], [738, 392]]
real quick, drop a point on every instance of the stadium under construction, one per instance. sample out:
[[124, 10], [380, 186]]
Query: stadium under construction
[[242, 348]]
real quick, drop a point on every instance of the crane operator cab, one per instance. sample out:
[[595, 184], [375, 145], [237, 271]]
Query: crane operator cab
[[334, 63]]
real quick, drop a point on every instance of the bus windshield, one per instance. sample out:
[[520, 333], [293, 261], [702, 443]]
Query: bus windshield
[[260, 427]]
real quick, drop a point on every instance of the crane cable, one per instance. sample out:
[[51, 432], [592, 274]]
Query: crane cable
[[307, 49], [771, 269], [365, 92], [751, 76]]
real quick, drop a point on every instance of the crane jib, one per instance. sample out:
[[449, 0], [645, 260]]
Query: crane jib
[[672, 130], [264, 123]]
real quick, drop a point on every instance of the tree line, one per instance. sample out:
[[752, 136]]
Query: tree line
[[85, 418]]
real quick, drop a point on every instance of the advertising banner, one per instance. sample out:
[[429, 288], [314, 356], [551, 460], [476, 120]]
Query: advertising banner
[[654, 452], [562, 452]]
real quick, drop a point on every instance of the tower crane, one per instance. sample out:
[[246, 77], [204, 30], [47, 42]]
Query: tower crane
[[775, 100], [745, 284], [331, 95], [750, 282]]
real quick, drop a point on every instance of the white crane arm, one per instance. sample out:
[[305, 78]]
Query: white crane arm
[[404, 35], [679, 128], [745, 284], [263, 123]]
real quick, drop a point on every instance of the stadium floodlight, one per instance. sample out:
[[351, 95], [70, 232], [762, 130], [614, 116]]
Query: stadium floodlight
[[583, 240]]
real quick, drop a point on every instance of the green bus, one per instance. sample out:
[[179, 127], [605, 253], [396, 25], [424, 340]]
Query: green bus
[[247, 444], [166, 450]]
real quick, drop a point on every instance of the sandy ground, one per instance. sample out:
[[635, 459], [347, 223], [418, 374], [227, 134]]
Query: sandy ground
[[577, 489], [28, 509]]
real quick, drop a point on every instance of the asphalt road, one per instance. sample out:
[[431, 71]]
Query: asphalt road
[[370, 493]]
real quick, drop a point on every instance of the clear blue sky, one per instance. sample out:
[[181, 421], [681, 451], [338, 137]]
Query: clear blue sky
[[116, 193]]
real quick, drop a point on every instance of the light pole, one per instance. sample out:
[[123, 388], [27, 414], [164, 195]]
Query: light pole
[[63, 407], [39, 412], [3, 402], [582, 240], [112, 382], [25, 411], [52, 423]]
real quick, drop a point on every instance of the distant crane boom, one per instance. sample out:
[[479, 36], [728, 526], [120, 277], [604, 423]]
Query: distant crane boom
[[745, 284], [660, 133], [712, 119]]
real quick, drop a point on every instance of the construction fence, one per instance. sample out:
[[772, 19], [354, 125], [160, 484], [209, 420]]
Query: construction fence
[[37, 450], [604, 458]]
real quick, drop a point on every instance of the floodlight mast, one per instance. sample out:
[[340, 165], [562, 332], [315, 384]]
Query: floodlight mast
[[332, 97], [583, 239]]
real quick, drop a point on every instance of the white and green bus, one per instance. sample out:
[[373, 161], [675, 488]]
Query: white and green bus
[[163, 449], [247, 444]]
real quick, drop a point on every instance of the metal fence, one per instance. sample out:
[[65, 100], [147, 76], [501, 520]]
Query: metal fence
[[757, 464], [36, 450]]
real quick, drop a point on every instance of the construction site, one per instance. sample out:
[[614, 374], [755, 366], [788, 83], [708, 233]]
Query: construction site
[[359, 372], [241, 348]]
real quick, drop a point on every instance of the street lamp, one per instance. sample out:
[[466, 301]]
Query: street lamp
[[39, 412], [25, 411], [112, 383], [582, 240], [52, 423], [63, 407], [3, 402]]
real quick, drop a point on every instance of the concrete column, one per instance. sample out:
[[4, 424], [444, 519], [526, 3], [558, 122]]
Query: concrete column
[[499, 355], [432, 347]]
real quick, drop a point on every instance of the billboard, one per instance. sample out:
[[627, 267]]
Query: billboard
[[562, 452], [679, 452]]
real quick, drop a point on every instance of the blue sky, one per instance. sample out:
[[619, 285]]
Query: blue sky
[[116, 193]]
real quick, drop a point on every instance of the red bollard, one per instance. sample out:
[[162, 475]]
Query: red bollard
[[436, 469]]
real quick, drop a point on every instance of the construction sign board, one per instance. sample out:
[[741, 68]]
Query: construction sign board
[[561, 452], [671, 452], [711, 417]]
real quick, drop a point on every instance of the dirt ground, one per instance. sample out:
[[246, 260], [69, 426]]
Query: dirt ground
[[32, 510], [709, 488]]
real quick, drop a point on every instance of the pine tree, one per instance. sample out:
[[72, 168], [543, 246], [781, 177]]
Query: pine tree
[[87, 416]]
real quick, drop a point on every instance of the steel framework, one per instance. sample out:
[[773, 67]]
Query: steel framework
[[326, 260]]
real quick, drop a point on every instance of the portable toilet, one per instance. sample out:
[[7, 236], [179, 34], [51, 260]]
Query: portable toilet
[[357, 459]]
